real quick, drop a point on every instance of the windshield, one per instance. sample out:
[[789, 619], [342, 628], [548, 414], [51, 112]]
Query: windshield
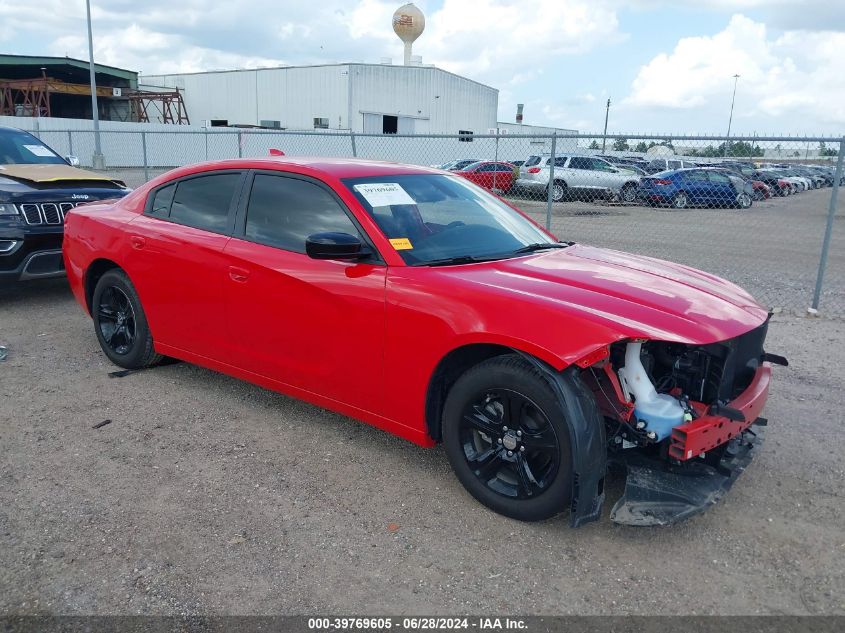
[[20, 148], [431, 217]]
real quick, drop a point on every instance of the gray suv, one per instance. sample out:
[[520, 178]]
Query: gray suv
[[577, 178]]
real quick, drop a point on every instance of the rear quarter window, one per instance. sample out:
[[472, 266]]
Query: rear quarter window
[[162, 199]]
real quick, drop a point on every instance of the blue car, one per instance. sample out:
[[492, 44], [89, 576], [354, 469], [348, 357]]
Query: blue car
[[697, 186]]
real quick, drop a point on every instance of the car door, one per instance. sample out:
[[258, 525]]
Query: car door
[[697, 185], [503, 177], [722, 189], [581, 174], [606, 175], [485, 174], [176, 259], [317, 325]]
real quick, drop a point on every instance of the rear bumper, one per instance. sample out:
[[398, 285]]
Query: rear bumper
[[525, 184]]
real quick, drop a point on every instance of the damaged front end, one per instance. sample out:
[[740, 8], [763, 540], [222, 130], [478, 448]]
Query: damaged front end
[[679, 420]]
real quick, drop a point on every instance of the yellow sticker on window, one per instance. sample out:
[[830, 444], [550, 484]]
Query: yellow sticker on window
[[401, 243]]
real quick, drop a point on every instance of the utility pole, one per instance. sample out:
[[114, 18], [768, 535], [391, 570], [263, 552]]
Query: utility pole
[[606, 115], [731, 117], [98, 160]]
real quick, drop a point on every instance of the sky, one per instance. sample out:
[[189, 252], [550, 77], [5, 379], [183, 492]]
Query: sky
[[667, 67]]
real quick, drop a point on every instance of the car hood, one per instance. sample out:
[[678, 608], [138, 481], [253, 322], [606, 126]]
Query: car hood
[[633, 295], [49, 173]]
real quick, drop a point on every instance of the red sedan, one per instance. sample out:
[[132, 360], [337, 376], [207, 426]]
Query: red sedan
[[493, 176], [415, 301]]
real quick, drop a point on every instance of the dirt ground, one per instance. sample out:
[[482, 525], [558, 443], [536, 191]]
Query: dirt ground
[[208, 495]]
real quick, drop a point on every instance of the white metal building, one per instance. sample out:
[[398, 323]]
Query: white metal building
[[368, 98]]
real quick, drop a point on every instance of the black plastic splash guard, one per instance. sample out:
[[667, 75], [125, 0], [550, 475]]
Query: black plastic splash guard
[[657, 493]]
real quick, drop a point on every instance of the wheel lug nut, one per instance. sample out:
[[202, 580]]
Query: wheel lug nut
[[504, 428], [510, 453], [499, 440], [519, 433], [521, 449]]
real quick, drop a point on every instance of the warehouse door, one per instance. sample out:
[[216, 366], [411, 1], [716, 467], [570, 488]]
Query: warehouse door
[[388, 124]]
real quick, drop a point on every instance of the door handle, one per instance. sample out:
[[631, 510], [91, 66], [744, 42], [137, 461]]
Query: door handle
[[137, 241], [238, 274]]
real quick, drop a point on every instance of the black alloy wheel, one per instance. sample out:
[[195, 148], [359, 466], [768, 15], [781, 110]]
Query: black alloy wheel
[[507, 436], [120, 322], [116, 320], [509, 444]]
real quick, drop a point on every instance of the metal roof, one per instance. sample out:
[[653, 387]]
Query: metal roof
[[31, 60]]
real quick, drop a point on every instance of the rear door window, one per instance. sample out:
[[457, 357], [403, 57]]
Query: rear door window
[[532, 160], [204, 202], [720, 179], [580, 162]]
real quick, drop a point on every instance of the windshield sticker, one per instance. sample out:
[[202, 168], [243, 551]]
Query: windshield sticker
[[384, 194], [39, 150], [401, 244]]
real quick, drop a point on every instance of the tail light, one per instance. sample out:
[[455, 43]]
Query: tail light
[[533, 170], [662, 181]]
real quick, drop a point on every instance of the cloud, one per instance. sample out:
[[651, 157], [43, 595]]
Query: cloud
[[795, 76], [494, 41]]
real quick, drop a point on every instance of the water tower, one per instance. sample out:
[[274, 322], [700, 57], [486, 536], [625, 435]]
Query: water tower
[[408, 24]]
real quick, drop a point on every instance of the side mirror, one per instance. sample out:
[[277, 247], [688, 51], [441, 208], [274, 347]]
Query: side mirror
[[72, 160], [335, 246]]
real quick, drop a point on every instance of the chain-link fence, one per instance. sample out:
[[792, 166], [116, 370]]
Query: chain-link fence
[[759, 211]]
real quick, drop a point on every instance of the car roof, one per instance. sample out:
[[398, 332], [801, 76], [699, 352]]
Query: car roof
[[336, 167]]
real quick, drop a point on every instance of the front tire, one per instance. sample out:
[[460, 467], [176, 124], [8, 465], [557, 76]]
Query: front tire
[[507, 439], [120, 323]]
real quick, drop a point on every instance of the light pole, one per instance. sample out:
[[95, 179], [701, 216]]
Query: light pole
[[731, 117], [606, 115], [98, 160]]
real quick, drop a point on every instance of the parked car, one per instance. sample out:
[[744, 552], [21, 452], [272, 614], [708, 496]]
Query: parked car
[[516, 163], [777, 184], [577, 177], [457, 165], [656, 165], [38, 188], [682, 188], [758, 189], [415, 301], [796, 183], [494, 176]]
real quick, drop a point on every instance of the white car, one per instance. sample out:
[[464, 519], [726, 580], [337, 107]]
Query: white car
[[576, 178]]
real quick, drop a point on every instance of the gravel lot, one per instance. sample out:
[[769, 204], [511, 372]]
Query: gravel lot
[[208, 495]]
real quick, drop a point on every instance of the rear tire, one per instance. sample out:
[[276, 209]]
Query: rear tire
[[507, 439], [680, 200], [559, 191], [120, 323]]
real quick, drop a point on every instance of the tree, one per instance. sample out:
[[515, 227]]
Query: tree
[[621, 145], [824, 151], [736, 149], [594, 145], [641, 147]]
